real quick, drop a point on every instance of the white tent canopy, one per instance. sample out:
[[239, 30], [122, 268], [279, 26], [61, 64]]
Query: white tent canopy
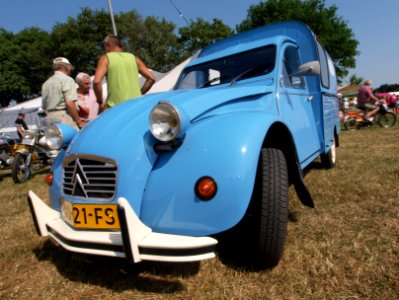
[[169, 80]]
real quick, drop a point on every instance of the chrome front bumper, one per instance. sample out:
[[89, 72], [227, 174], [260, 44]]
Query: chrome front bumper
[[135, 241]]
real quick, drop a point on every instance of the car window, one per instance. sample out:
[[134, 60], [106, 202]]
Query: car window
[[325, 79], [236, 67], [291, 63]]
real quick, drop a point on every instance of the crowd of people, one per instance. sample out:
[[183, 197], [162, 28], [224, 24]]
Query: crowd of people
[[75, 103]]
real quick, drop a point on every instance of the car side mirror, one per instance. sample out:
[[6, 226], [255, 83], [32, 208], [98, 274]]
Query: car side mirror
[[311, 68]]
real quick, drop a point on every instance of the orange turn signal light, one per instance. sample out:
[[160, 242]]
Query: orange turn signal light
[[205, 188], [49, 178]]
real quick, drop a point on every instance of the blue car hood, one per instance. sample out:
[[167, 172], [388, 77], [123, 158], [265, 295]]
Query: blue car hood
[[128, 123], [122, 133]]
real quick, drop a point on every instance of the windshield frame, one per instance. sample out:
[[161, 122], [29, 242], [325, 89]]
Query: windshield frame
[[231, 68]]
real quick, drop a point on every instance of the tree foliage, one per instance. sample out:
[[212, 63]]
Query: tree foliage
[[151, 39], [201, 33], [79, 39], [387, 88], [336, 36], [23, 64], [356, 80], [27, 56]]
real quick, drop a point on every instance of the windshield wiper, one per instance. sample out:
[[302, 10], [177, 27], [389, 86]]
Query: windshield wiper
[[264, 68], [213, 80]]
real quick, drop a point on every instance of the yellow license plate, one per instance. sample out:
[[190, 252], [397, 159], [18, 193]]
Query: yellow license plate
[[90, 216]]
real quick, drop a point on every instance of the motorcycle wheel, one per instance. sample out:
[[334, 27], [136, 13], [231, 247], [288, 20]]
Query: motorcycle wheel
[[386, 120], [20, 172], [351, 124]]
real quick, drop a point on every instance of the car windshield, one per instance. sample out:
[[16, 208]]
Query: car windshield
[[228, 69]]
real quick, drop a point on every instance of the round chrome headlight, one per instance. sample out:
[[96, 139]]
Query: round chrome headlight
[[54, 137], [165, 122]]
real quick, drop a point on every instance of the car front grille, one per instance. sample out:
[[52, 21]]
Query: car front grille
[[89, 176]]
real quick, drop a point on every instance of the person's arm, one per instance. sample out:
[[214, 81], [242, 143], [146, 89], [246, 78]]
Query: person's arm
[[147, 74], [73, 112], [374, 98], [101, 70], [371, 95], [20, 131]]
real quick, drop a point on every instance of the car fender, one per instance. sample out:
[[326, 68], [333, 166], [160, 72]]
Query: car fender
[[225, 147], [55, 187]]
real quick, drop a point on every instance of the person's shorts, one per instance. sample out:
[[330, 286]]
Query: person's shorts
[[62, 117], [366, 106], [392, 105]]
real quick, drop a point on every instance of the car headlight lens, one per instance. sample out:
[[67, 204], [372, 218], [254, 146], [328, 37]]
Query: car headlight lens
[[54, 137], [165, 122]]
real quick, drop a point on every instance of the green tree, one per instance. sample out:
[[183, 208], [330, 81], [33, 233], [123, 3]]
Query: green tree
[[151, 39], [79, 39], [356, 80], [23, 68], [201, 33], [26, 57], [33, 58], [387, 88], [11, 86], [332, 30]]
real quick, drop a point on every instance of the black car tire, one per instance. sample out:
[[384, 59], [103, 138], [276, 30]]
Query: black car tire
[[257, 241], [329, 159], [273, 213]]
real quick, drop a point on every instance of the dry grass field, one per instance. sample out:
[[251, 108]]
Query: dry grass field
[[347, 247]]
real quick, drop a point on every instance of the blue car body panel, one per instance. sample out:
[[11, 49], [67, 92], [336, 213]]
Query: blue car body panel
[[226, 128]]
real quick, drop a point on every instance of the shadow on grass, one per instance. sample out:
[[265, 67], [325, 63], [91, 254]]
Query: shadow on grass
[[116, 273], [7, 173], [236, 246], [239, 262]]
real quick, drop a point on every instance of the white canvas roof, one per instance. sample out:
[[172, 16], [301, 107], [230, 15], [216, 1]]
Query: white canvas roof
[[169, 80], [27, 105]]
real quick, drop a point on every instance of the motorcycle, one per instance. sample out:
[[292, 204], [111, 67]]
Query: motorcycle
[[31, 153], [356, 119], [7, 152]]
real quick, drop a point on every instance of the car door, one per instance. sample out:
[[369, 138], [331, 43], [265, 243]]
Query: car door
[[328, 110], [295, 105]]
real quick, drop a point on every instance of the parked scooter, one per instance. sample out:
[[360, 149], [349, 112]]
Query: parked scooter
[[31, 153]]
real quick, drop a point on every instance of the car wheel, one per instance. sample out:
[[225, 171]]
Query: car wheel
[[272, 182], [258, 240], [329, 159]]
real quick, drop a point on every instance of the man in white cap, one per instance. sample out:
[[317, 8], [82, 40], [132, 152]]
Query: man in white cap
[[59, 95]]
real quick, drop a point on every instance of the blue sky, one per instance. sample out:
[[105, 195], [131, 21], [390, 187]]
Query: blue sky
[[375, 23]]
